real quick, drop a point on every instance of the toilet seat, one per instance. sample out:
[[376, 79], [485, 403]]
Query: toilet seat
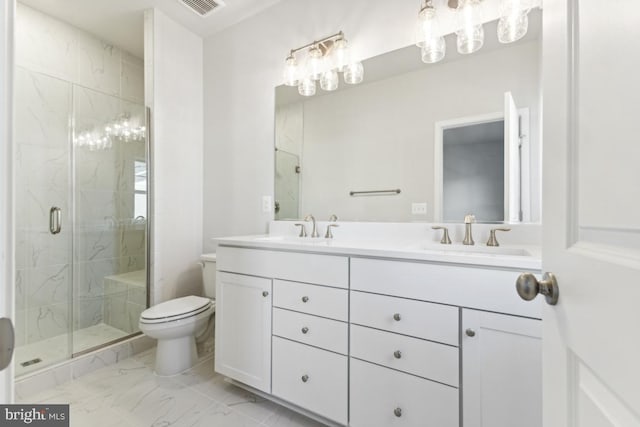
[[176, 309]]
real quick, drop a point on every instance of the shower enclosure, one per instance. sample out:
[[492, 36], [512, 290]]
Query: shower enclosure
[[82, 156]]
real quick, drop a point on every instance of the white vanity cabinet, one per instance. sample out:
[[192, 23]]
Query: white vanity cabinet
[[368, 342], [306, 326], [243, 329], [311, 347], [501, 370]]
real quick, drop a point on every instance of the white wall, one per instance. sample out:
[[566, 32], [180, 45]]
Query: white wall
[[174, 90], [243, 64]]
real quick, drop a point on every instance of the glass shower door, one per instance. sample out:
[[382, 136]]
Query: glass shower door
[[110, 290], [43, 107]]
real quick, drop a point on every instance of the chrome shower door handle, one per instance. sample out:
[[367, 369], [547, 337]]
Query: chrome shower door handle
[[55, 220]]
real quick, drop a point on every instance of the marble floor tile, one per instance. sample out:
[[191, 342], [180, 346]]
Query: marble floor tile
[[129, 394]]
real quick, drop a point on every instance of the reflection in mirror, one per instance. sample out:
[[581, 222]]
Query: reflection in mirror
[[473, 172], [388, 134]]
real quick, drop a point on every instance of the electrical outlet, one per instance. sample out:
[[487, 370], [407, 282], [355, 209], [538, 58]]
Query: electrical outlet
[[419, 208], [266, 204]]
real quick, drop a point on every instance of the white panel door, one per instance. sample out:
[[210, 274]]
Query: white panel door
[[501, 370], [591, 217], [6, 182], [243, 329]]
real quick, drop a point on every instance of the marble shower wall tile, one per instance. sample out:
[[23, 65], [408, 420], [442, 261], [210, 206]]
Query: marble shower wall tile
[[49, 46], [45, 44], [132, 78], [98, 65], [42, 110], [47, 321], [49, 285]]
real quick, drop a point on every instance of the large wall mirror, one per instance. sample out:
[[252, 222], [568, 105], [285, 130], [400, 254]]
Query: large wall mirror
[[460, 136]]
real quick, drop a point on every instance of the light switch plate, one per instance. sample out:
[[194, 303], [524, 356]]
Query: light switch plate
[[266, 204], [419, 208]]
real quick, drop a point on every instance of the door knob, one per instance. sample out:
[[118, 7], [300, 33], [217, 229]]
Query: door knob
[[265, 293], [528, 287], [7, 342]]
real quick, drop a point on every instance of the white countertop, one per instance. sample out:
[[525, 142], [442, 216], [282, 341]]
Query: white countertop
[[517, 257]]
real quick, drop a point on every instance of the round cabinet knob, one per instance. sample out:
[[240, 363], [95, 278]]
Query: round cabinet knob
[[528, 287], [397, 412], [305, 330], [397, 354], [470, 332], [305, 299], [396, 317], [305, 378], [265, 294]]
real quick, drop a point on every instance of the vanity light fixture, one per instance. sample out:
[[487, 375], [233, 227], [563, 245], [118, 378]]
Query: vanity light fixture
[[471, 33], [428, 37], [324, 59], [514, 21]]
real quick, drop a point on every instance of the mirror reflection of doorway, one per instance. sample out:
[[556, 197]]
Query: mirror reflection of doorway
[[473, 172]]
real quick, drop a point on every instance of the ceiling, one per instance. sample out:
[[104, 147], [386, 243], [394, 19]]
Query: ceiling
[[120, 22]]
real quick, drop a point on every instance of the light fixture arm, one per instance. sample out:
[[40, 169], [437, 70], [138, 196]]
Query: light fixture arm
[[322, 42]]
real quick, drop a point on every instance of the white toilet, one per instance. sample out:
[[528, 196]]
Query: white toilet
[[177, 323]]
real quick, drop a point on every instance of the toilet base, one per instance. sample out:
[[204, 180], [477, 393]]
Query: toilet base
[[174, 356]]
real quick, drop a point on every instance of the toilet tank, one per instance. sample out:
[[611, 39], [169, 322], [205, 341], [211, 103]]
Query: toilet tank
[[209, 275]]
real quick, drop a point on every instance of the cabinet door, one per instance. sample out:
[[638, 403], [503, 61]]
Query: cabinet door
[[243, 329], [501, 370]]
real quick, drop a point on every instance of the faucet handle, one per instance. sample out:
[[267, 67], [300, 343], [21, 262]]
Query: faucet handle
[[492, 236], [328, 234], [445, 236], [333, 218], [469, 218], [303, 230]]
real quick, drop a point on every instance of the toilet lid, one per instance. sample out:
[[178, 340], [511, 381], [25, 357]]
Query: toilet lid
[[176, 309]]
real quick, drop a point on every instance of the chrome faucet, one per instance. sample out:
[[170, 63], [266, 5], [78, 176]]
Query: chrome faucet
[[314, 232], [468, 238]]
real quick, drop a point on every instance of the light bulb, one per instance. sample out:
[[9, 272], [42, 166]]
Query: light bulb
[[354, 73], [291, 71], [428, 39], [433, 51], [315, 63], [471, 34], [307, 87], [329, 80], [514, 22], [341, 54]]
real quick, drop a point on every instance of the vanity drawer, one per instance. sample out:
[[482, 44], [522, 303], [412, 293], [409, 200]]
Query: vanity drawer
[[377, 393], [311, 378], [481, 288], [312, 299], [329, 334], [426, 359], [420, 319], [330, 270]]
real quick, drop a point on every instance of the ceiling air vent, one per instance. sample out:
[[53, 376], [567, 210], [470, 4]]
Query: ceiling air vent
[[202, 7]]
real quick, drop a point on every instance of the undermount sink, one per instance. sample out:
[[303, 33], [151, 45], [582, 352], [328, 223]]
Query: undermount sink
[[475, 249]]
